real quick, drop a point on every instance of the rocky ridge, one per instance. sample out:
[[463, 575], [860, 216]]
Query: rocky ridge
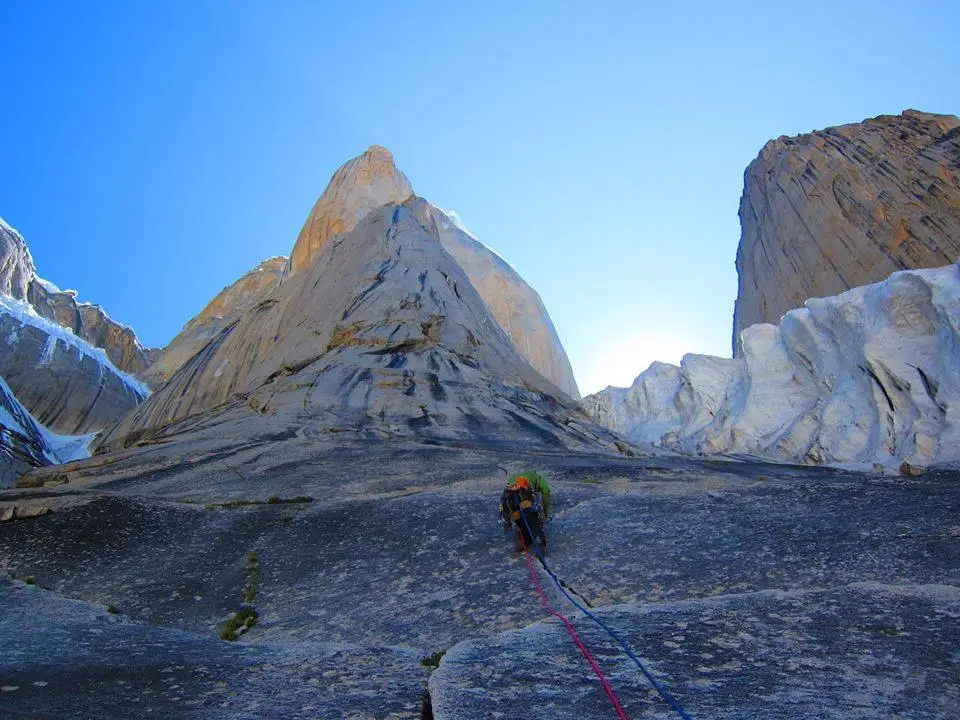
[[89, 322], [56, 381], [67, 384], [225, 309], [843, 207], [867, 377]]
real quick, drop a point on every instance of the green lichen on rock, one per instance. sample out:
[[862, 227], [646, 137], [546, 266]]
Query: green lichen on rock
[[246, 617]]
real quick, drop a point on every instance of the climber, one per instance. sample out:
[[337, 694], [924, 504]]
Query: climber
[[525, 507]]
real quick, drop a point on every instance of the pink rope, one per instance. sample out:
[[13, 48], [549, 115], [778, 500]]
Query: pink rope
[[545, 601]]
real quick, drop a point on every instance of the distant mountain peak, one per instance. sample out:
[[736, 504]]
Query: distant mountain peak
[[378, 151]]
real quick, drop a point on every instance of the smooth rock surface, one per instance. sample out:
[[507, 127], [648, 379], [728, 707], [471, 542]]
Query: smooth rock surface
[[748, 588], [515, 305], [865, 650], [225, 309], [867, 378], [847, 206], [68, 658]]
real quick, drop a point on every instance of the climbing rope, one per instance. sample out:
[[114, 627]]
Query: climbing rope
[[545, 602], [670, 700]]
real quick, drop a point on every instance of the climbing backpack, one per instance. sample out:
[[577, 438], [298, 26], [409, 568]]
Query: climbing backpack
[[518, 500]]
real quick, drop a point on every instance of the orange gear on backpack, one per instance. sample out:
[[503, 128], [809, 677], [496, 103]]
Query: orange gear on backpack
[[521, 483]]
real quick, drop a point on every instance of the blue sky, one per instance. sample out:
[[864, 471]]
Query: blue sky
[[151, 153]]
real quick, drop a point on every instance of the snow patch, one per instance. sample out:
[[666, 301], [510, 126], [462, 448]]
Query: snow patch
[[454, 217], [48, 349], [12, 231], [56, 448], [46, 285], [67, 448], [25, 314]]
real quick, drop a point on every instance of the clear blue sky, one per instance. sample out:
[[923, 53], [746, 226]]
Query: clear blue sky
[[152, 152]]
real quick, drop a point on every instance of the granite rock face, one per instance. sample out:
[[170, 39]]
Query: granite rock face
[[515, 305], [225, 309], [843, 207], [19, 281], [57, 360], [91, 323], [382, 336], [16, 263], [867, 377], [372, 180], [741, 585]]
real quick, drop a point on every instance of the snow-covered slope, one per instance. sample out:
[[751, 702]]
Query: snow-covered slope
[[60, 357], [89, 321], [863, 378], [26, 443], [24, 313], [67, 384]]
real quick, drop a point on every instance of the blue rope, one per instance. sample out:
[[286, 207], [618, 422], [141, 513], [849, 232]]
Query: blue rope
[[610, 631]]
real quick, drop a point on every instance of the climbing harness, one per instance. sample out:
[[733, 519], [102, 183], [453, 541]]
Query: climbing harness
[[670, 700], [524, 505], [520, 501], [545, 602]]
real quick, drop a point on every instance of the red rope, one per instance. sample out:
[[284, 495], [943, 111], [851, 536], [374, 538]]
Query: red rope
[[545, 601]]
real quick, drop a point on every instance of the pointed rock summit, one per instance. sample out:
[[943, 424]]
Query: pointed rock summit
[[382, 336], [372, 180], [359, 186]]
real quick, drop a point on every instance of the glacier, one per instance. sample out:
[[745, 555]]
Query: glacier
[[864, 379]]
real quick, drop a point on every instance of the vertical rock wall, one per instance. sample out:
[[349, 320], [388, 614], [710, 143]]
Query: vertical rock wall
[[843, 207]]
